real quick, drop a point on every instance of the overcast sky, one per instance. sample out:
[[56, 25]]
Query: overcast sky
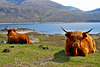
[[85, 5]]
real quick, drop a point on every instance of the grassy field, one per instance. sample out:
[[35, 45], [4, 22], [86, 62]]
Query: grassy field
[[34, 56]]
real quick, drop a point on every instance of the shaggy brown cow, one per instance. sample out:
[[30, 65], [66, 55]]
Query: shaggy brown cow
[[79, 43], [17, 38]]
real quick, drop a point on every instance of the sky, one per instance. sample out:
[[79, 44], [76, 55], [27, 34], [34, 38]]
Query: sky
[[85, 5]]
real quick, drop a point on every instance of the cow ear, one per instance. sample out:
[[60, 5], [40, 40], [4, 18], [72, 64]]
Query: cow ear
[[84, 35], [67, 35]]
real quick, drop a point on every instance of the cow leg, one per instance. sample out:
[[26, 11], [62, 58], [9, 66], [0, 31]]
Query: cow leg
[[25, 41], [85, 51], [68, 52], [75, 51], [94, 47], [9, 40]]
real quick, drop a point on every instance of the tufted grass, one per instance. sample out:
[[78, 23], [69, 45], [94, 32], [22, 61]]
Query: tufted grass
[[26, 55]]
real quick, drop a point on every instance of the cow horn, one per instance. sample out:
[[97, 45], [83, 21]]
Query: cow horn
[[63, 29], [17, 28], [6, 28], [88, 31]]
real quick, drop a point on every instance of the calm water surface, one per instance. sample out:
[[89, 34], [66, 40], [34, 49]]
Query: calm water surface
[[55, 28]]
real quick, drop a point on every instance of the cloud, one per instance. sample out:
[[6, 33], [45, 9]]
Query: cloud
[[81, 4]]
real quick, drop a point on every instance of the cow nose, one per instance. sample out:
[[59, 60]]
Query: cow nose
[[76, 44]]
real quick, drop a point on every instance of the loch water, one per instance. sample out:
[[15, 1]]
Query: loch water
[[55, 28]]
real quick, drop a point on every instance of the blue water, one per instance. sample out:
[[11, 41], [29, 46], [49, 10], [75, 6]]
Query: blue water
[[55, 28]]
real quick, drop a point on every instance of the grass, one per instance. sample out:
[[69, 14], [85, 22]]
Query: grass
[[3, 37], [51, 40], [26, 55], [98, 43]]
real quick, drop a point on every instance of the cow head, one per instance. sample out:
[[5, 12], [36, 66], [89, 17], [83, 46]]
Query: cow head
[[76, 37], [11, 30]]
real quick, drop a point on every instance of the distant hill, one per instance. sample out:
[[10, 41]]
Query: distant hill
[[96, 10], [41, 11], [73, 8]]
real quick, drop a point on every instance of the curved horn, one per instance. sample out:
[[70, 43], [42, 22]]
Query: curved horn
[[63, 29], [67, 33], [88, 31], [17, 28], [6, 28]]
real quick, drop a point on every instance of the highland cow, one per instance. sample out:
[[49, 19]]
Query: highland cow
[[79, 43], [17, 38]]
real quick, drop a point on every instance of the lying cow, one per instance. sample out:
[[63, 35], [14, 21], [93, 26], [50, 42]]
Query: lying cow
[[17, 38], [79, 43]]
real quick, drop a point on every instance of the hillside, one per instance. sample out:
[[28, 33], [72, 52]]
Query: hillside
[[96, 10], [41, 11], [73, 8]]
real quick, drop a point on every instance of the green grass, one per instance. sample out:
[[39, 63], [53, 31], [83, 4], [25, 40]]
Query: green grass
[[3, 37], [27, 55], [52, 40], [98, 43]]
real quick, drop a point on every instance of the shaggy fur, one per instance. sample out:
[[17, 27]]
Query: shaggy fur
[[79, 43], [17, 38]]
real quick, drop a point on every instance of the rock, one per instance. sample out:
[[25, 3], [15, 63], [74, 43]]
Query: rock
[[11, 46], [39, 63], [1, 36], [33, 40], [47, 35], [3, 42], [45, 48], [19, 63], [49, 59], [41, 46], [42, 64], [6, 50]]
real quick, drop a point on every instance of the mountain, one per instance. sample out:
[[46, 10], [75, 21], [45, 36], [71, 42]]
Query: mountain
[[94, 14], [41, 11], [96, 10], [73, 8], [32, 3]]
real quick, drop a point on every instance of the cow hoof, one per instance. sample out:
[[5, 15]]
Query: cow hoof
[[6, 50]]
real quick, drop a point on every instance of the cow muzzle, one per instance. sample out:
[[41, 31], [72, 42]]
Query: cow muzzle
[[76, 44]]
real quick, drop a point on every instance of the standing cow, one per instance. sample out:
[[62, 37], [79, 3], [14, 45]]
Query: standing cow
[[17, 38], [79, 43]]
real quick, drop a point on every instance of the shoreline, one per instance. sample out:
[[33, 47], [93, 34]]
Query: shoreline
[[95, 36], [23, 32], [44, 22]]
